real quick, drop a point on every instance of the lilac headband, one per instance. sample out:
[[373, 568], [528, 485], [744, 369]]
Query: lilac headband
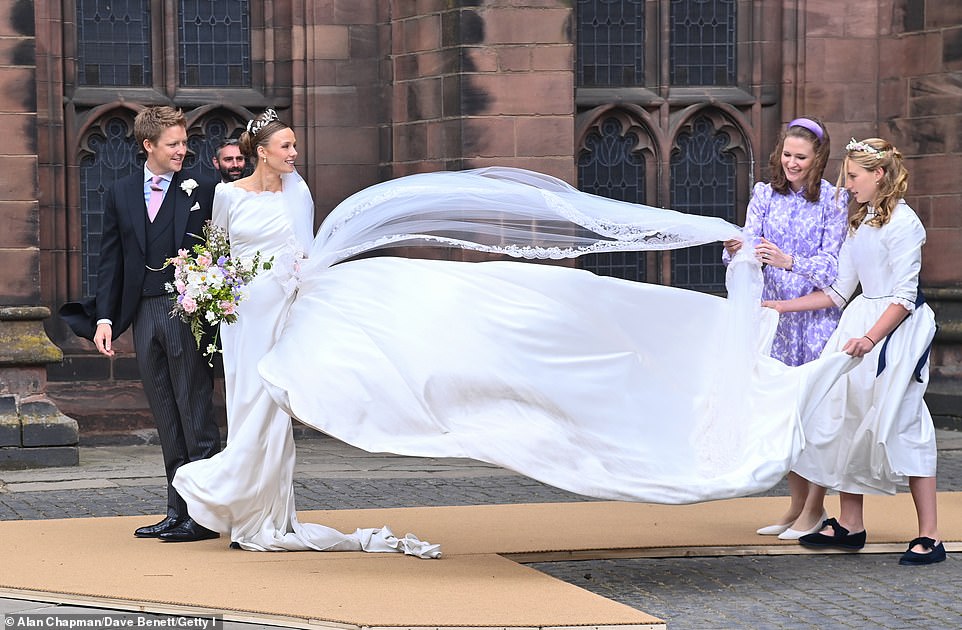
[[808, 123]]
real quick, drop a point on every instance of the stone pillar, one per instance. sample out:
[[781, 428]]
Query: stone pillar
[[33, 432], [337, 108]]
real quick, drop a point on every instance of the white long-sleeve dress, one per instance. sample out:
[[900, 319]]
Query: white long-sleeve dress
[[873, 430], [604, 387], [246, 490]]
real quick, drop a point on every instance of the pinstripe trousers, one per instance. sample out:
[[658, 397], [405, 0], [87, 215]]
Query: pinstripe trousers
[[179, 388]]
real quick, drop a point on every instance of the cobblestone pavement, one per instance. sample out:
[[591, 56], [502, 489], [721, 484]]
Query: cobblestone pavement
[[820, 591]]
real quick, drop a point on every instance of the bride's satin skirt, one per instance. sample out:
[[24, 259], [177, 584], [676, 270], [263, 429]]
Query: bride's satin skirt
[[604, 387], [246, 490]]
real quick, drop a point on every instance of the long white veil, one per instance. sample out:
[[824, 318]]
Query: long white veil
[[526, 214], [503, 210]]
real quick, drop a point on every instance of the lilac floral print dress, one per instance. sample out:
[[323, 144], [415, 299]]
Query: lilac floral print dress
[[812, 233]]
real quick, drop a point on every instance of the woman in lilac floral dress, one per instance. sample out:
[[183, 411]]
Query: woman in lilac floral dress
[[798, 226]]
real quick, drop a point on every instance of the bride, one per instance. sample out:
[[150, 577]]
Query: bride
[[599, 386], [248, 491]]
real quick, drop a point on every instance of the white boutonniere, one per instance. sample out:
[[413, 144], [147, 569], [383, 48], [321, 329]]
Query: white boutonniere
[[188, 186]]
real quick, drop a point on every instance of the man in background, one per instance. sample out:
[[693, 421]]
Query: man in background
[[229, 161]]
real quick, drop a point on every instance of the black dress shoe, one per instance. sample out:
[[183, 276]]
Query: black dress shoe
[[840, 538], [153, 531], [188, 531], [935, 553]]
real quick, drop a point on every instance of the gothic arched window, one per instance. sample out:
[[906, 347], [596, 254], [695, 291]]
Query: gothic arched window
[[611, 163], [183, 53], [109, 152], [703, 182]]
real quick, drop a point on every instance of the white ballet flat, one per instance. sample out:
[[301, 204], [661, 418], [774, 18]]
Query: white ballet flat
[[773, 530], [795, 534]]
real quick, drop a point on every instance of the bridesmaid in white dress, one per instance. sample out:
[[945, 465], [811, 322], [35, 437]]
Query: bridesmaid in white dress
[[247, 491], [873, 432]]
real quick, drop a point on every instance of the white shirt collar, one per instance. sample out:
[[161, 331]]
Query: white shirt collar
[[148, 175]]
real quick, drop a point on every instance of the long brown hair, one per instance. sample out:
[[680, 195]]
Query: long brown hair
[[870, 154], [822, 146]]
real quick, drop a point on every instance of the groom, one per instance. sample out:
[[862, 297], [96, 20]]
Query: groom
[[147, 217]]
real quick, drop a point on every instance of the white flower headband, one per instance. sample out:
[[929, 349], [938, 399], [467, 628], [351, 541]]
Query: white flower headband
[[256, 124], [857, 145]]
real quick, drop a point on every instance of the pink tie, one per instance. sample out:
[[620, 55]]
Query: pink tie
[[156, 197]]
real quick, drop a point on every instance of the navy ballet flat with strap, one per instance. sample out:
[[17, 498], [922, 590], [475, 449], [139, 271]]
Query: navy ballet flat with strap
[[935, 554], [840, 539]]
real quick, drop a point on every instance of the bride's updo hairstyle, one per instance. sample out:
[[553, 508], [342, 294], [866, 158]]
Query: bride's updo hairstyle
[[870, 154], [258, 133]]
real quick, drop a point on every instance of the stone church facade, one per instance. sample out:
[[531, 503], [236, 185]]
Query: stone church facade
[[673, 103]]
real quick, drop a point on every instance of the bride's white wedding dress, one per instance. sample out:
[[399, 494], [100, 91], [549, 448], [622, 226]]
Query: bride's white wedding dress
[[603, 387], [246, 490]]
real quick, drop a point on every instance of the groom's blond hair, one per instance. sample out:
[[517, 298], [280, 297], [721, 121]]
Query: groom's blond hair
[[152, 121]]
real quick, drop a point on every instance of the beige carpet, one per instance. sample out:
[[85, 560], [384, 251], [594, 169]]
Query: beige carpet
[[477, 583]]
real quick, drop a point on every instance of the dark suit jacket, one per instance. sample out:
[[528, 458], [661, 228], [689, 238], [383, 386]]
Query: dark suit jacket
[[122, 268]]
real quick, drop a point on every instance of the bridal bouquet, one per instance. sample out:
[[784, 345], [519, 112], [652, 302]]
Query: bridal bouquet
[[209, 283]]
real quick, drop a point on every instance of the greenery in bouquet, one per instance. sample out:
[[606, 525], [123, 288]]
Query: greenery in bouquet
[[209, 283]]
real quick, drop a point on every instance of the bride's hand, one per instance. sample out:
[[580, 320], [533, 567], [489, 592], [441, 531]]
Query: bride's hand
[[732, 246]]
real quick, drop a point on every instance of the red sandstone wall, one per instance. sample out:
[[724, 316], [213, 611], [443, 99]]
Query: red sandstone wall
[[893, 69], [480, 86], [337, 98]]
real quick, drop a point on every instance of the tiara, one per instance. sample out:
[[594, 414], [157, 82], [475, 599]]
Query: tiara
[[256, 124], [857, 145]]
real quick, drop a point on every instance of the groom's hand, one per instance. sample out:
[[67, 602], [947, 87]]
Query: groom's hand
[[102, 339]]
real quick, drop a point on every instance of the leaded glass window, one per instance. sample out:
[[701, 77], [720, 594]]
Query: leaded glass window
[[702, 42], [113, 42], [703, 182], [214, 39], [611, 43], [111, 153], [610, 165], [201, 146]]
